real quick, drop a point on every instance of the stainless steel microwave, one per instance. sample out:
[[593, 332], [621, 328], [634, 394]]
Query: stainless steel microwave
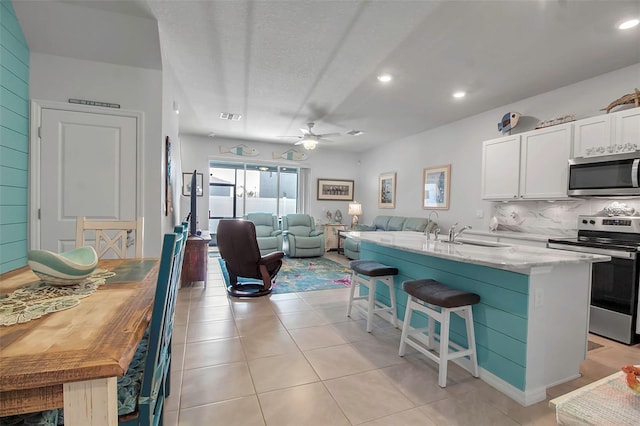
[[609, 175]]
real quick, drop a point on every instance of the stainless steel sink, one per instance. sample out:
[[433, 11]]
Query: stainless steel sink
[[462, 242]]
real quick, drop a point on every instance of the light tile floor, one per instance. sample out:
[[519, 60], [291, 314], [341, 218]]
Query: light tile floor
[[296, 359]]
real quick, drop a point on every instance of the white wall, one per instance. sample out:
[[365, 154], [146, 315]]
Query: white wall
[[171, 213], [460, 144], [57, 78], [197, 151]]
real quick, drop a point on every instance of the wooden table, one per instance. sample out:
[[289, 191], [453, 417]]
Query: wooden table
[[607, 401], [72, 358]]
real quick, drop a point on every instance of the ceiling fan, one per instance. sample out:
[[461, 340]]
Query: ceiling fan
[[310, 140]]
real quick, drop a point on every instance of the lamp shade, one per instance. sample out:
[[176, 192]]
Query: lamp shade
[[355, 209]]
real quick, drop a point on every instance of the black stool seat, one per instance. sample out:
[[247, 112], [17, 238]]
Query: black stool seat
[[371, 268], [436, 293]]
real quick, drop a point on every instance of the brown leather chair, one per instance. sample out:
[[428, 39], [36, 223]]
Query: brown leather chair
[[239, 249]]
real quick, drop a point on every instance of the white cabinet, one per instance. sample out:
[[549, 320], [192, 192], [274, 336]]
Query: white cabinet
[[608, 134], [544, 163], [331, 235], [592, 136], [627, 129], [532, 165], [501, 168]]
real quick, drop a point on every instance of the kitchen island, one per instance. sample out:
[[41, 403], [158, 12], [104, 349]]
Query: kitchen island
[[531, 323]]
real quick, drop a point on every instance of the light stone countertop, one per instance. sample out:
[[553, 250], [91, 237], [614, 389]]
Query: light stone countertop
[[510, 257], [520, 235]]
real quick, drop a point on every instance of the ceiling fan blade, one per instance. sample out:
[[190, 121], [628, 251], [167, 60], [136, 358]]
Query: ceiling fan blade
[[289, 136], [306, 131], [329, 135]]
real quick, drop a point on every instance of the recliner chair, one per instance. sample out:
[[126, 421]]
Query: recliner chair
[[239, 249], [268, 232], [300, 237]]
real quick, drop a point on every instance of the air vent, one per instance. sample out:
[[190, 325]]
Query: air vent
[[355, 132], [230, 116]]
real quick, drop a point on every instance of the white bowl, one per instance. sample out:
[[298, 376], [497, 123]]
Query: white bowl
[[66, 268]]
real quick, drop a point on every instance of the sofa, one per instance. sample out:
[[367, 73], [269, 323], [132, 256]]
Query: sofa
[[385, 223]]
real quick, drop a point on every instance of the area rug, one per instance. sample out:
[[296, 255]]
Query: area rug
[[306, 274]]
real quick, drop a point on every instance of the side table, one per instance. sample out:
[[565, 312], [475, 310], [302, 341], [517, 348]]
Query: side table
[[342, 235], [196, 256]]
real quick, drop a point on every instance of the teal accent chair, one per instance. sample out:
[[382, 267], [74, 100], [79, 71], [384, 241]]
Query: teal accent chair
[[143, 388], [300, 237], [268, 232]]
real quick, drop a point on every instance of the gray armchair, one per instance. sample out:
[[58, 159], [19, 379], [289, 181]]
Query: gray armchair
[[300, 238], [268, 232]]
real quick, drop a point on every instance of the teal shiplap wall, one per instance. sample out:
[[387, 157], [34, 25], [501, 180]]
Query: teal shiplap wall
[[500, 319], [14, 140]]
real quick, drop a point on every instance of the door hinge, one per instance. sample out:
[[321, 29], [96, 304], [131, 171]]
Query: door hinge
[[38, 214], [40, 132]]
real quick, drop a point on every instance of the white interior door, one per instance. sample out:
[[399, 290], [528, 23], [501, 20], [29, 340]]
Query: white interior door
[[87, 168]]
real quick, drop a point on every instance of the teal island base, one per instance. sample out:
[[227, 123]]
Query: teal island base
[[531, 323]]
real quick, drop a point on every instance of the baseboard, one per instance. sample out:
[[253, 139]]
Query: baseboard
[[524, 398]]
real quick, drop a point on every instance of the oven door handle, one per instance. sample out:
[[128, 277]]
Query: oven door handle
[[634, 172], [591, 250]]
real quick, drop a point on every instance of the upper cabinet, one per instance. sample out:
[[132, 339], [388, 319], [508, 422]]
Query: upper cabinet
[[627, 128], [532, 165], [608, 134], [501, 168]]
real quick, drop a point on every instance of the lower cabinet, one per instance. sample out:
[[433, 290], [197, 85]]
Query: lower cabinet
[[331, 235]]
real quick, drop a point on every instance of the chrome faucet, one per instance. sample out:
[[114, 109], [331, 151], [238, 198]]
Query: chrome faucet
[[453, 234], [429, 221]]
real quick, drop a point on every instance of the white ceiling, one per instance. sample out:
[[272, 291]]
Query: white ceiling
[[281, 64]]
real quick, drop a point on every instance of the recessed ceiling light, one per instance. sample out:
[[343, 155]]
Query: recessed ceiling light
[[460, 94], [385, 78], [630, 23]]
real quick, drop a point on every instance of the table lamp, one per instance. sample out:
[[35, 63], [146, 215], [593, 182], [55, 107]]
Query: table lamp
[[355, 209]]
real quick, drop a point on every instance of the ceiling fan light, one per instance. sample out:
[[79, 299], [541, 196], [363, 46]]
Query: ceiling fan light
[[629, 23], [309, 144]]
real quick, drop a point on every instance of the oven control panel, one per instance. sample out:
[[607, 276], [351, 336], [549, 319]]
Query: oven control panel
[[628, 224], [616, 222]]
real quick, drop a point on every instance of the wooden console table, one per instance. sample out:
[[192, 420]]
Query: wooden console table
[[194, 265]]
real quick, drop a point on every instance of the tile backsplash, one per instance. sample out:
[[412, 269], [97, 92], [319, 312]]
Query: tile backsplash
[[551, 217]]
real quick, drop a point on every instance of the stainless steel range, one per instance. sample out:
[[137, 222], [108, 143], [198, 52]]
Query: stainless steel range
[[615, 284]]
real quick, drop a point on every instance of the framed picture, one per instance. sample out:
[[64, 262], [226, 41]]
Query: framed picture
[[168, 202], [186, 184], [435, 187], [335, 189], [387, 191]]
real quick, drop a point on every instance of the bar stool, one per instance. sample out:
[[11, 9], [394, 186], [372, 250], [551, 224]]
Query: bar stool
[[426, 296], [367, 273]]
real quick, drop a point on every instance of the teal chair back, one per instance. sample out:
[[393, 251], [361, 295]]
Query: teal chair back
[[157, 364]]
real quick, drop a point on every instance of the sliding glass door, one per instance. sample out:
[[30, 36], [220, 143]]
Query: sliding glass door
[[239, 188]]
